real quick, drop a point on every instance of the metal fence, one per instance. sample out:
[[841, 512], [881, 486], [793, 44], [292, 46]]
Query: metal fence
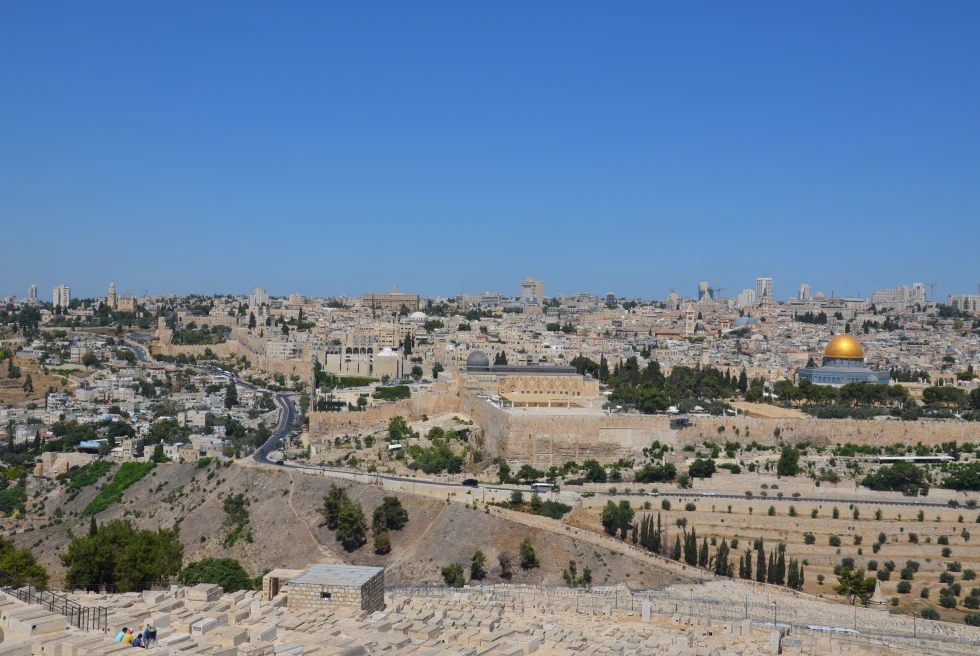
[[89, 618]]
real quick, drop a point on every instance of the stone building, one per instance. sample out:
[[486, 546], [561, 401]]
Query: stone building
[[332, 586], [543, 386], [843, 363]]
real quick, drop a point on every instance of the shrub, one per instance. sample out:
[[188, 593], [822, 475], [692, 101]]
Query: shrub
[[930, 613], [943, 540], [947, 601], [772, 511], [834, 540], [971, 602], [954, 566], [969, 575], [907, 574], [914, 538], [665, 505], [947, 552], [127, 474], [820, 579], [904, 587], [882, 538], [884, 575], [924, 593], [690, 507], [452, 574], [946, 577], [226, 572], [973, 619], [857, 540], [809, 538], [872, 565]]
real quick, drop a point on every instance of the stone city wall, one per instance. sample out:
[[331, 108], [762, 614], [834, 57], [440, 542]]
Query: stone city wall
[[828, 432], [544, 438], [552, 438], [233, 348], [324, 424]]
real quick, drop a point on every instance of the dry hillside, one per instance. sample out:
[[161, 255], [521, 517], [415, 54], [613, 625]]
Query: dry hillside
[[286, 531]]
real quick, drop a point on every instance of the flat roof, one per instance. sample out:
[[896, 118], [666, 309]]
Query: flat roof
[[340, 575]]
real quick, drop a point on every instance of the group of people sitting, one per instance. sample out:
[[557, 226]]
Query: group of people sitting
[[141, 638]]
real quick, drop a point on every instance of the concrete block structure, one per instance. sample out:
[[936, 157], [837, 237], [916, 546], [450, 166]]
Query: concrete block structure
[[338, 586]]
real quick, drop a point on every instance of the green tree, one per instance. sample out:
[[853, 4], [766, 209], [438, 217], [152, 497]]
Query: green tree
[[231, 395], [478, 566], [351, 528], [382, 543], [452, 574], [333, 502], [437, 368], [158, 454], [28, 385], [251, 321], [226, 572], [22, 563], [854, 585], [390, 515], [529, 558], [610, 518], [120, 555], [789, 461]]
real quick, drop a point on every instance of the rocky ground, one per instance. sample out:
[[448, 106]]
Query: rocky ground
[[286, 528]]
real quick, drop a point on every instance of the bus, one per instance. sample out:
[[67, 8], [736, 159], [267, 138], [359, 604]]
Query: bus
[[542, 487]]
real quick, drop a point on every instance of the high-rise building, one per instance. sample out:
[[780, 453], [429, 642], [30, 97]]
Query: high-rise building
[[610, 300], [965, 302], [32, 293], [111, 297], [257, 298], [705, 293], [901, 296], [532, 291], [805, 293], [745, 298], [61, 296], [763, 290]]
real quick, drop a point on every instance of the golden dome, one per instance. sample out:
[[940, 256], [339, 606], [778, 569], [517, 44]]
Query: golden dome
[[844, 346]]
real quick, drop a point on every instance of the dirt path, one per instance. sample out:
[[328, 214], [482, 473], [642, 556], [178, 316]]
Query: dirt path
[[324, 550]]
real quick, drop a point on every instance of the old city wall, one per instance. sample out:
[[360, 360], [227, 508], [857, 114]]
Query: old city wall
[[553, 439], [233, 348], [826, 432], [413, 409]]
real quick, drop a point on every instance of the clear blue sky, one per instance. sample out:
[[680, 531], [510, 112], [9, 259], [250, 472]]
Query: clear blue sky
[[335, 148]]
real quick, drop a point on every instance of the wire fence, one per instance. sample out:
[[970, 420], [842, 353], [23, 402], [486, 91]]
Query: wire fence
[[88, 618]]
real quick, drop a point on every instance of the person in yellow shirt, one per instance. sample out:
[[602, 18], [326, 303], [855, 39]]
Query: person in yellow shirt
[[128, 638]]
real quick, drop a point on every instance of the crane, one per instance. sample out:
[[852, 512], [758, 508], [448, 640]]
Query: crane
[[718, 291], [932, 290]]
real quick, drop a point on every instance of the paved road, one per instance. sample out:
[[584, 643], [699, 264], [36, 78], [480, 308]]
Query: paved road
[[286, 418], [676, 495], [140, 352]]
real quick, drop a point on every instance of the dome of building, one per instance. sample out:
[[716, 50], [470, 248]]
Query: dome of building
[[386, 352], [845, 347], [417, 315], [746, 321], [477, 359]]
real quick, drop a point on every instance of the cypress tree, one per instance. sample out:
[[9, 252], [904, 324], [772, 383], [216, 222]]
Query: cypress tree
[[760, 565], [703, 555], [675, 553], [781, 566], [748, 565]]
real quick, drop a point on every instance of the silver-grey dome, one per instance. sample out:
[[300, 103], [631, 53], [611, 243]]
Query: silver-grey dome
[[477, 359]]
